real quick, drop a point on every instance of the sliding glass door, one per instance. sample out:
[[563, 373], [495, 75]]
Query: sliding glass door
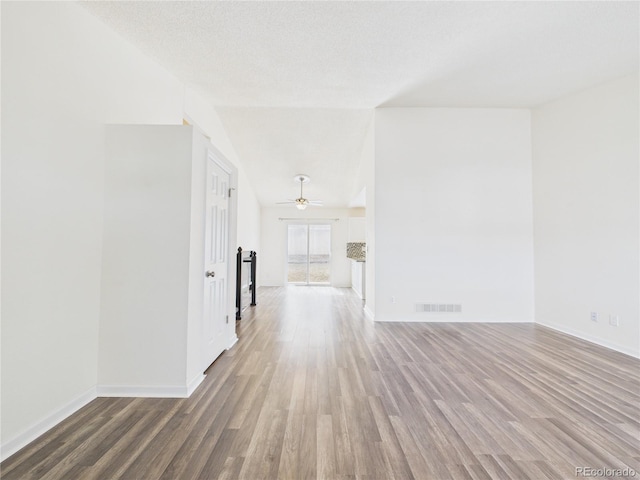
[[309, 254]]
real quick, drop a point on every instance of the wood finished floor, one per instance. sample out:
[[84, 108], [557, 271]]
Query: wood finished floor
[[315, 390]]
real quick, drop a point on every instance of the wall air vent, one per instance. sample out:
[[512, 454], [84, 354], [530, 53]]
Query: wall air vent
[[438, 308]]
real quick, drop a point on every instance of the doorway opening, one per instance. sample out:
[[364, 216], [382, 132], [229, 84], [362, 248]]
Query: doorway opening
[[309, 254]]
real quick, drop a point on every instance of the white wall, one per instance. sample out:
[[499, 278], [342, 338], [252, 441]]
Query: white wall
[[249, 222], [453, 215], [586, 214], [272, 260], [64, 75], [357, 231]]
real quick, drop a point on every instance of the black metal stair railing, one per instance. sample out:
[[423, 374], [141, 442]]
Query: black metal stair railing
[[244, 260]]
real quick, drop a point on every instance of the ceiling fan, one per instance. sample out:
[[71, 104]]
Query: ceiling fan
[[301, 203]]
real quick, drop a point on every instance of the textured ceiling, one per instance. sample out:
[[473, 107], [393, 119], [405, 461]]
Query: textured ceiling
[[296, 78]]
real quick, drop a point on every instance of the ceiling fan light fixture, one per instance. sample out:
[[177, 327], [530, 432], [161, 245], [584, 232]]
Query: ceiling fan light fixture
[[302, 203]]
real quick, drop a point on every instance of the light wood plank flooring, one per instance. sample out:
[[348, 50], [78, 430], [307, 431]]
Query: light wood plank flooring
[[315, 390]]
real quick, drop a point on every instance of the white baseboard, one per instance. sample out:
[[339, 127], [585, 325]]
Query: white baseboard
[[234, 340], [591, 339], [145, 391], [194, 383], [369, 314], [30, 434]]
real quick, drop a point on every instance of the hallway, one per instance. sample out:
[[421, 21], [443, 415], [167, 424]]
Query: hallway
[[313, 389]]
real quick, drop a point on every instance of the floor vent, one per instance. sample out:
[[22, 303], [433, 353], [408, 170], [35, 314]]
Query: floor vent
[[438, 307]]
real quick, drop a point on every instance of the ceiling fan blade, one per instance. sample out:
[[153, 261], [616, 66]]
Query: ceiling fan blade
[[288, 202]]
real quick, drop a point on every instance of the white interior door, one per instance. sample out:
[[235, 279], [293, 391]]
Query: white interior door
[[216, 261]]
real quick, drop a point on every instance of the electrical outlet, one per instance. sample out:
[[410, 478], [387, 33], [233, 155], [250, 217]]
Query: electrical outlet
[[393, 299], [594, 316], [614, 320]]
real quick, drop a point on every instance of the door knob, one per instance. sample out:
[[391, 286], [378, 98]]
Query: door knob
[[211, 273]]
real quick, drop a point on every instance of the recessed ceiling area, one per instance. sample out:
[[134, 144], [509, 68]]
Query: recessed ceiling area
[[296, 82]]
